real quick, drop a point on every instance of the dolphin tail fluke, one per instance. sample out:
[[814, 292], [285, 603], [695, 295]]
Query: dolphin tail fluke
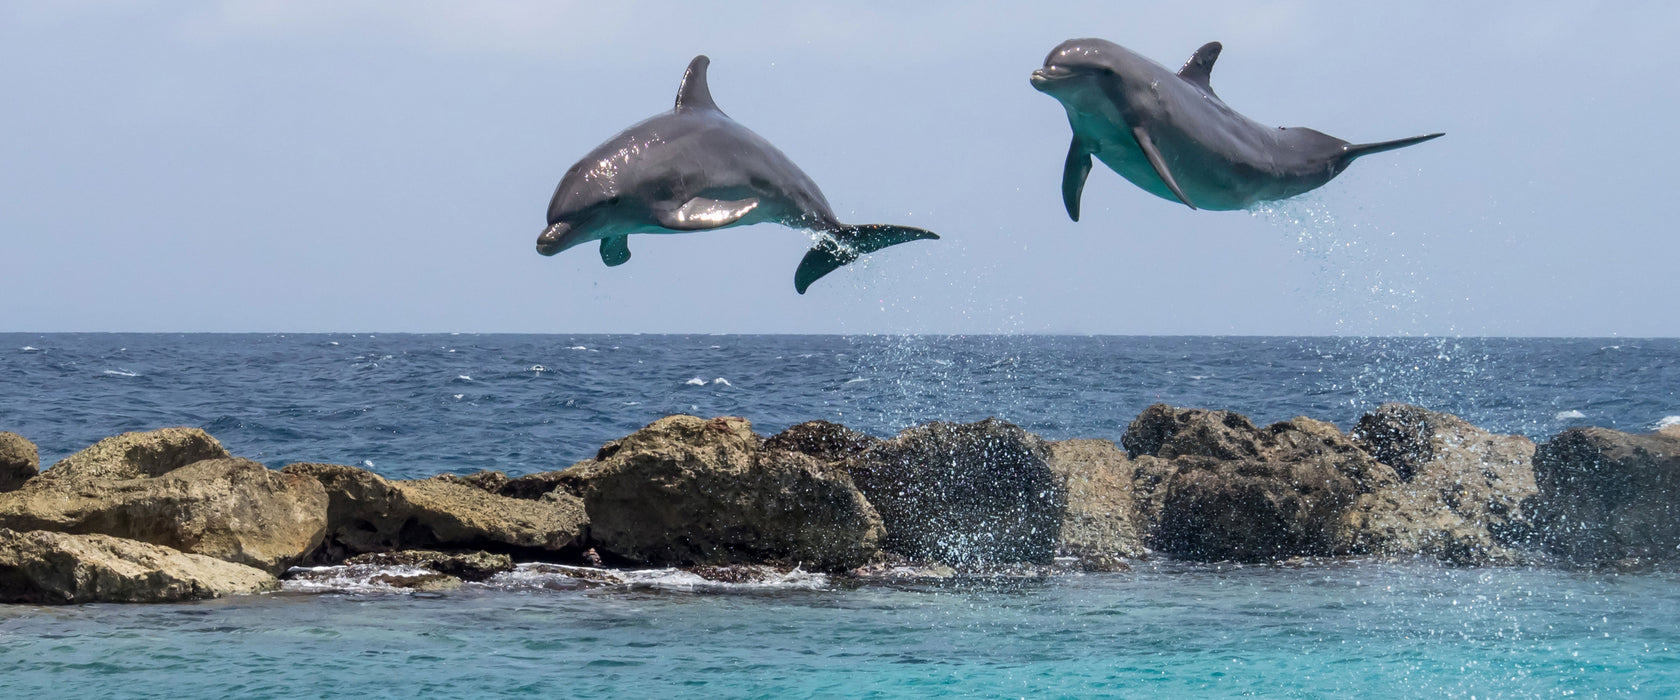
[[844, 244], [1355, 150]]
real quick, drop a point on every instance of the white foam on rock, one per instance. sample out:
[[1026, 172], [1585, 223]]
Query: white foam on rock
[[1666, 422], [357, 579], [741, 579]]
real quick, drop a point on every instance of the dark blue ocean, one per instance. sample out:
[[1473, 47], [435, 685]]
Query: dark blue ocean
[[416, 405]]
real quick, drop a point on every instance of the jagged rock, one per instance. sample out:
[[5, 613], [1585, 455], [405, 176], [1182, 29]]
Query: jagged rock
[[1212, 486], [976, 493], [828, 442], [367, 513], [1150, 476], [139, 455], [1251, 510], [1608, 497], [231, 509], [424, 583], [1097, 527], [1167, 432], [1459, 494], [19, 461], [688, 491], [490, 481], [364, 512], [541, 484], [467, 566], [53, 568]]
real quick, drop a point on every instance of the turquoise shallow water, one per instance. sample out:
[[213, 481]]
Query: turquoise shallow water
[[1318, 630]]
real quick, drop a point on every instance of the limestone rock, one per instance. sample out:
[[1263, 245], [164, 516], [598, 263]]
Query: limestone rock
[[689, 491], [1606, 496], [1209, 485], [1459, 492], [463, 517], [139, 455], [52, 568], [367, 513], [1098, 526], [977, 493], [19, 461], [230, 509], [1252, 510]]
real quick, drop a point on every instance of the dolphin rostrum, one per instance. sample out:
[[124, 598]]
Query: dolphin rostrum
[[1171, 135], [695, 169]]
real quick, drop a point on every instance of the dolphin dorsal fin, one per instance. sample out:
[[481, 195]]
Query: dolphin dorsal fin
[[693, 94], [1199, 69]]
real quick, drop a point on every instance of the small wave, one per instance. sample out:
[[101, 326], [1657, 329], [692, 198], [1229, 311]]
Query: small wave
[[577, 347], [347, 579], [332, 342], [459, 396], [721, 380], [1569, 415], [1666, 422], [704, 579], [1198, 377], [120, 372], [367, 463], [855, 380], [695, 382], [30, 348], [463, 377], [538, 368]]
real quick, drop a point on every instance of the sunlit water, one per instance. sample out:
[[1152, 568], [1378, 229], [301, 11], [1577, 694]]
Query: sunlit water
[[410, 406]]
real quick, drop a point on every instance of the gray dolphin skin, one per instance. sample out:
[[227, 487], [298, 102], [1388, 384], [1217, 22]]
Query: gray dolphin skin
[[1171, 135], [695, 169]]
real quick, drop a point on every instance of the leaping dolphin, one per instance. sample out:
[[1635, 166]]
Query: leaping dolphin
[[695, 169], [1171, 135]]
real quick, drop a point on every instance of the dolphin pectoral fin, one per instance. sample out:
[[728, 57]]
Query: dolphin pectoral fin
[[700, 213], [845, 244], [1155, 159], [615, 250], [1074, 172], [1198, 70]]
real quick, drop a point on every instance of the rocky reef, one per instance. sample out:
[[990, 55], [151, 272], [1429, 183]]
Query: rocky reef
[[169, 515]]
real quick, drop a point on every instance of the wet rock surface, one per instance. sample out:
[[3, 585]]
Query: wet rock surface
[[688, 491], [1099, 524], [1460, 490], [20, 461], [965, 493], [467, 566], [1213, 486], [1608, 498], [231, 509], [54, 568]]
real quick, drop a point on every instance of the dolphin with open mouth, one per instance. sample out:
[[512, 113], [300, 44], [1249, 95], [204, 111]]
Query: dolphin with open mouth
[[695, 169], [1171, 135]]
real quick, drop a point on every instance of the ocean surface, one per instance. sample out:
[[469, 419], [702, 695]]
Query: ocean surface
[[415, 405]]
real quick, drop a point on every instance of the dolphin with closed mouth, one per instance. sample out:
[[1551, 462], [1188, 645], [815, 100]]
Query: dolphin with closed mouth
[[1171, 135], [695, 169]]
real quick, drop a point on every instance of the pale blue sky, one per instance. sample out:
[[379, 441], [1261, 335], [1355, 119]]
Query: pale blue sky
[[386, 166]]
